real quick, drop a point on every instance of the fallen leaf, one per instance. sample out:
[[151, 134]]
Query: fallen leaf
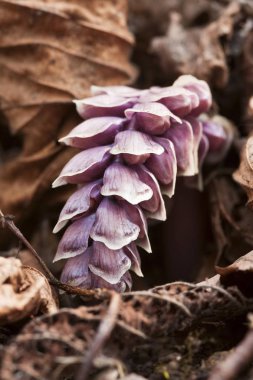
[[24, 292], [50, 53], [244, 174], [146, 323], [239, 274], [204, 56]]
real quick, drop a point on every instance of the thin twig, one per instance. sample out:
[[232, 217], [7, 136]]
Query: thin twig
[[9, 223], [105, 328], [236, 362]]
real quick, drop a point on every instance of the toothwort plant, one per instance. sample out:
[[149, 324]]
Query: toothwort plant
[[134, 144]]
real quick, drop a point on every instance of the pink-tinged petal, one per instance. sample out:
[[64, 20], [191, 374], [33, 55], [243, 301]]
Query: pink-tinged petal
[[133, 254], [196, 181], [197, 130], [203, 150], [216, 135], [127, 279], [84, 166], [102, 105], [164, 167], [152, 118], [179, 100], [109, 264], [113, 226], [200, 88], [94, 132], [79, 203], [155, 206], [76, 271], [135, 146], [137, 216], [181, 135], [124, 91], [75, 239], [124, 182], [220, 133], [124, 283]]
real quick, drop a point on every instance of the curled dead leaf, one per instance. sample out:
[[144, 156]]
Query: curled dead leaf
[[24, 291], [204, 56], [239, 274], [50, 53], [244, 174], [62, 340]]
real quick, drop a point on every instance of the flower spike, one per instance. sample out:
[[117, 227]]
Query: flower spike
[[134, 143]]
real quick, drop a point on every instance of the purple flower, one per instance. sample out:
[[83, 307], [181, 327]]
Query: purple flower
[[134, 144]]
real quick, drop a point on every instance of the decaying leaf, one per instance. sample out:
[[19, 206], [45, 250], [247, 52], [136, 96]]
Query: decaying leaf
[[24, 292], [203, 39], [231, 222], [143, 335], [240, 274], [244, 175], [204, 56], [50, 53]]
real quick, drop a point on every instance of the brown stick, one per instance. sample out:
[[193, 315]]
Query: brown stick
[[103, 333], [236, 362], [8, 222]]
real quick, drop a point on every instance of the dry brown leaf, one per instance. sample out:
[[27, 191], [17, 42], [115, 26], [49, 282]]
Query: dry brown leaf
[[62, 340], [204, 56], [239, 274], [50, 53], [24, 292], [244, 174], [243, 264]]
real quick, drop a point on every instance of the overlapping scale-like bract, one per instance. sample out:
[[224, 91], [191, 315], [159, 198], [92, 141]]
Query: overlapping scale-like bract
[[134, 144]]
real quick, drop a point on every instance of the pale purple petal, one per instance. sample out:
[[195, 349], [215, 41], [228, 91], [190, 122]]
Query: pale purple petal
[[109, 264], [200, 88], [197, 130], [137, 216], [123, 91], [181, 135], [102, 105], [75, 239], [112, 226], [94, 132], [164, 167], [79, 203], [76, 271], [124, 283], [216, 135], [123, 181], [220, 133], [155, 206], [196, 181], [152, 118], [177, 99], [132, 252], [135, 146], [84, 166]]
